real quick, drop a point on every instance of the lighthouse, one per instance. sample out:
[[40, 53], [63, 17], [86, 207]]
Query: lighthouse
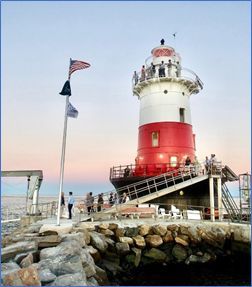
[[165, 133], [165, 171]]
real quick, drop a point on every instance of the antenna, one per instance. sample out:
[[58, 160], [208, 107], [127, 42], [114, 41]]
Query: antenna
[[174, 37]]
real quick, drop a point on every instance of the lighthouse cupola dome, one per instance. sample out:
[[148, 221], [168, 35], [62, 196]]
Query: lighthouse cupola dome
[[164, 53]]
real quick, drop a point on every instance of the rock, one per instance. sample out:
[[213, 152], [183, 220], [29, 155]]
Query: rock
[[103, 226], [110, 241], [153, 240], [11, 251], [18, 238], [125, 239], [48, 229], [220, 235], [173, 227], [122, 248], [9, 267], [131, 231], [27, 261], [79, 237], [138, 253], [93, 252], [199, 253], [92, 282], [87, 226], [206, 257], [130, 259], [113, 226], [198, 259], [87, 263], [19, 257], [62, 265], [87, 237], [183, 229], [209, 238], [167, 249], [34, 228], [112, 256], [111, 266], [63, 249], [77, 279], [155, 254], [181, 241], [159, 230], [168, 237], [192, 259], [101, 276], [194, 235], [98, 241], [47, 241], [179, 252], [46, 276], [139, 241], [23, 277], [107, 232], [6, 240], [119, 232], [144, 229], [30, 236]]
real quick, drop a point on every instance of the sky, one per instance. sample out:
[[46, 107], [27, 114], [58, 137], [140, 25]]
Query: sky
[[37, 41]]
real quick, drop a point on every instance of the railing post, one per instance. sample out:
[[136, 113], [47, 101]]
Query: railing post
[[211, 194], [220, 209]]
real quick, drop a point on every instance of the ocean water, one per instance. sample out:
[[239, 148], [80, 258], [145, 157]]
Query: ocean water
[[18, 186]]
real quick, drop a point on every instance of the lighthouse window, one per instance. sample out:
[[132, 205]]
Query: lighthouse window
[[182, 115], [173, 161], [155, 139]]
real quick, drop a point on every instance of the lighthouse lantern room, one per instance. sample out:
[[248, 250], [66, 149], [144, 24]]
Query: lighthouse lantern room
[[165, 137]]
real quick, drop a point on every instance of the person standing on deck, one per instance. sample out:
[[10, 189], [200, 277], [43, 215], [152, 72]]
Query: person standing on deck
[[62, 204], [71, 201], [100, 202]]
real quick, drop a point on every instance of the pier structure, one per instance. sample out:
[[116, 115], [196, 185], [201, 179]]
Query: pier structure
[[34, 181]]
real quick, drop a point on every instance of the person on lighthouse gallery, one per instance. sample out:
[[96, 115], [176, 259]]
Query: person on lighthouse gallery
[[135, 77], [142, 74], [178, 71], [169, 68], [153, 70], [70, 202], [162, 69]]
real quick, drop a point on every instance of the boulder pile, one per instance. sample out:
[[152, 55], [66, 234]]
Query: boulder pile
[[95, 254]]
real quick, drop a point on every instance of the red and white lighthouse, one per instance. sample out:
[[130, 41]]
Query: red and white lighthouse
[[165, 137]]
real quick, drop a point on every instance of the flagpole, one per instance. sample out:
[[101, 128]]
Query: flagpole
[[62, 162]]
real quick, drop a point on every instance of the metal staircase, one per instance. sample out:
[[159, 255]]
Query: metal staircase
[[154, 187], [229, 204]]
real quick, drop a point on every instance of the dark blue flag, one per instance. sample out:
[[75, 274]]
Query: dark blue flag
[[66, 90]]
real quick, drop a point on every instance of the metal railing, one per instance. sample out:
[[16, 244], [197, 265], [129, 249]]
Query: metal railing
[[131, 170], [45, 209], [172, 72]]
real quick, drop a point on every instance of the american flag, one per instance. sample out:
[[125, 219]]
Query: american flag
[[77, 65]]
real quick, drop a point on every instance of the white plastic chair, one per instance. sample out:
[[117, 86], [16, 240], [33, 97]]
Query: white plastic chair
[[162, 214], [175, 213]]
